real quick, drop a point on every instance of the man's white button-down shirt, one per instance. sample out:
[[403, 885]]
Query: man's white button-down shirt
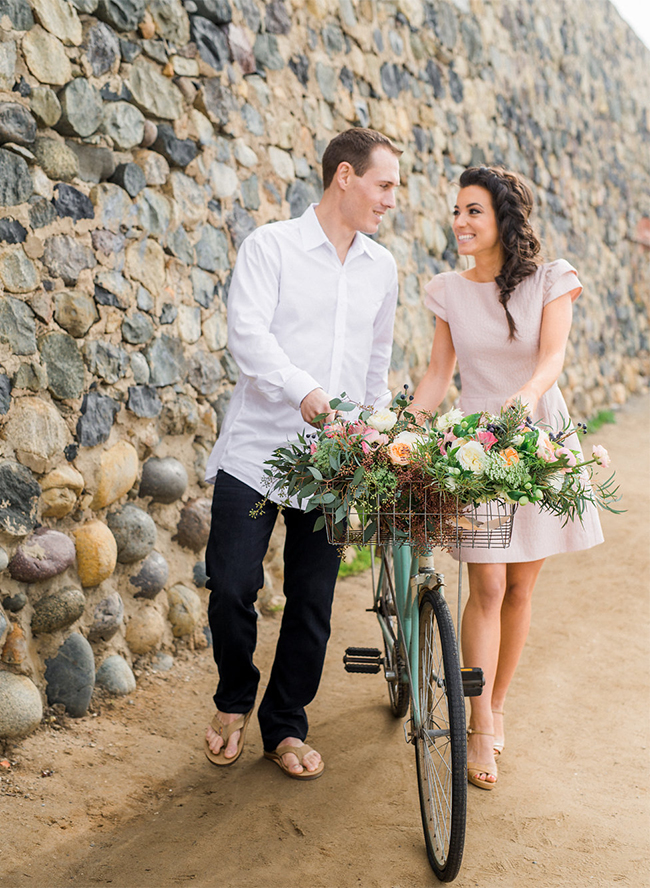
[[298, 320]]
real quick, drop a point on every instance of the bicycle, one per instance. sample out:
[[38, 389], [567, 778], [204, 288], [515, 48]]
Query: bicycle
[[421, 661]]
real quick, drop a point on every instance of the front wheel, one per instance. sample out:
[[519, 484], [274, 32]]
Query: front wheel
[[398, 688], [440, 741]]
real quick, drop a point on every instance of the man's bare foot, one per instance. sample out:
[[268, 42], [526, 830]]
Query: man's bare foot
[[311, 761], [480, 749], [215, 741]]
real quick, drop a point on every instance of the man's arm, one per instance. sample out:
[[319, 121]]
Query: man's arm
[[377, 391], [252, 301]]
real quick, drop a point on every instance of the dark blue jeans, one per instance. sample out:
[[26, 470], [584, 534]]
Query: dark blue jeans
[[236, 548]]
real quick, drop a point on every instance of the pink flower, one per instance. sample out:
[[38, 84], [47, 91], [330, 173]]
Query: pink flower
[[333, 428], [358, 428], [601, 455], [313, 447], [372, 436], [569, 454], [486, 438], [366, 447]]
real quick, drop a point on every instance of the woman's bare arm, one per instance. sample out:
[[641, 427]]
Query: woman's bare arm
[[435, 382]]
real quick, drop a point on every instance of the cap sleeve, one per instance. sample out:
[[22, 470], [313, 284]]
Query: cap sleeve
[[560, 278], [435, 298]]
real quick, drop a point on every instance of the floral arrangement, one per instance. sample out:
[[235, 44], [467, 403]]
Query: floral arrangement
[[372, 462]]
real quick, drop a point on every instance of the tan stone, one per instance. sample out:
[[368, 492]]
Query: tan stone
[[46, 58], [37, 432], [145, 630], [117, 473], [96, 553], [61, 488], [60, 19], [145, 262], [185, 610], [14, 651]]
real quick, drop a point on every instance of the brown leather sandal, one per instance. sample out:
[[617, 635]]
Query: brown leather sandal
[[300, 752], [225, 732], [476, 768]]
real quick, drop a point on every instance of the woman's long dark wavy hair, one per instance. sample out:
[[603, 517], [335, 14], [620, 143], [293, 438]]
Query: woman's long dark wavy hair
[[512, 200]]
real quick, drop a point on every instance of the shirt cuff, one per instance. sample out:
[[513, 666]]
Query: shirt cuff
[[298, 387]]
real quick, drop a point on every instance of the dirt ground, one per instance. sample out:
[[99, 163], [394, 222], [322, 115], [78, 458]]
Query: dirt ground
[[126, 798]]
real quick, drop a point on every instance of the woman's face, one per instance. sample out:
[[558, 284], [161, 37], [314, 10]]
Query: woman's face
[[475, 222]]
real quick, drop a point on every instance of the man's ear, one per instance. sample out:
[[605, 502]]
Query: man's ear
[[344, 173]]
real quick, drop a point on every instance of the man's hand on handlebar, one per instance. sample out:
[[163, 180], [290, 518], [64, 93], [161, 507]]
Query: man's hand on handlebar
[[314, 404]]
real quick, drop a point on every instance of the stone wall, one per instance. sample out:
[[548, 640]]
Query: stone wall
[[140, 142]]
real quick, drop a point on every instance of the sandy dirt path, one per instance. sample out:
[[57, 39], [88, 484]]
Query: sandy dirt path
[[131, 801]]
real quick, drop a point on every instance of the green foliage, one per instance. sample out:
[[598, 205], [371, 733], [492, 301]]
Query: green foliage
[[361, 562], [600, 419]]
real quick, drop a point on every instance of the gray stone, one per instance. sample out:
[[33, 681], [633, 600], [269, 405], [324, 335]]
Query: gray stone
[[157, 50], [144, 299], [12, 232], [98, 414], [124, 123], [166, 361], [171, 21], [41, 212], [66, 257], [327, 79], [300, 195], [16, 124], [179, 244], [199, 575], [251, 13], [299, 64], [18, 272], [103, 359], [217, 11], [240, 224], [112, 288], [129, 51], [230, 367], [5, 403], [253, 120], [107, 618], [137, 329], [19, 502], [64, 365], [251, 193], [46, 553], [19, 12], [75, 311], [81, 108], [21, 709], [179, 417], [179, 152], [140, 369], [204, 373], [154, 212], [212, 250], [168, 314], [113, 207], [102, 48], [70, 676], [154, 94], [162, 662], [56, 610], [152, 576], [163, 479], [211, 40], [17, 326], [71, 202], [202, 287], [14, 603], [455, 86], [87, 6], [45, 105], [115, 676], [107, 242], [56, 159], [193, 527], [125, 15], [8, 57], [15, 181], [445, 23], [217, 101], [267, 53], [134, 531], [144, 401], [31, 376], [278, 20]]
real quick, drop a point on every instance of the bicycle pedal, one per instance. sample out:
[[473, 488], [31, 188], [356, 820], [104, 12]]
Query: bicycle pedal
[[473, 681], [357, 659]]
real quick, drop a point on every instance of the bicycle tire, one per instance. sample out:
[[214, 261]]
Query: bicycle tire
[[440, 742], [398, 688]]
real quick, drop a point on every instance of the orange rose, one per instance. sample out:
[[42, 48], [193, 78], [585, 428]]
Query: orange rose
[[399, 453], [511, 456]]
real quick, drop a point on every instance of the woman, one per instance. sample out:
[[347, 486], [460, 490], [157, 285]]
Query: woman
[[506, 321]]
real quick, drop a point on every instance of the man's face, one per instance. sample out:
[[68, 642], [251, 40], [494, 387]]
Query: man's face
[[368, 197]]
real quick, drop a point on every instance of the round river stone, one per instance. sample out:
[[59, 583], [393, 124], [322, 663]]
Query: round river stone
[[134, 531]]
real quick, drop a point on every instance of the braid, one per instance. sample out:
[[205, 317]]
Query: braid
[[513, 201]]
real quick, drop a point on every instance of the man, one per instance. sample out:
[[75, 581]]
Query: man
[[310, 314]]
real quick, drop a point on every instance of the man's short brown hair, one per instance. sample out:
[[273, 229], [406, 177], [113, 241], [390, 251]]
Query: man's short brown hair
[[354, 146]]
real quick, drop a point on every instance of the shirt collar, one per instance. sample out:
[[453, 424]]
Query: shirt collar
[[313, 235]]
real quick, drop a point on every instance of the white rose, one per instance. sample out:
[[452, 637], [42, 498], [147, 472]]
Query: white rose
[[472, 457], [383, 420], [448, 419], [410, 438]]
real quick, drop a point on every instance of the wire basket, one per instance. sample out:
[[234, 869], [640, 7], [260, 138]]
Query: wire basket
[[435, 520]]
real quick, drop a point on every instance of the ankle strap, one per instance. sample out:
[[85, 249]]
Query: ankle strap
[[487, 733]]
